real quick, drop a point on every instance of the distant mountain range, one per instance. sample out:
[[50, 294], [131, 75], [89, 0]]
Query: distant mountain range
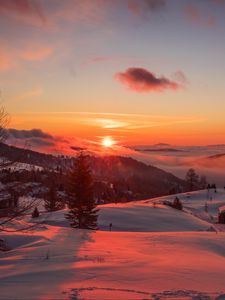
[[142, 180], [159, 150], [161, 147], [216, 156], [212, 161], [13, 153]]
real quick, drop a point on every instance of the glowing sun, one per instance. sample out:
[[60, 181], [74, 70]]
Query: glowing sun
[[107, 141]]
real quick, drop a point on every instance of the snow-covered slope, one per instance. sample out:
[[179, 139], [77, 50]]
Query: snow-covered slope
[[202, 204], [178, 260], [144, 216], [139, 216], [152, 216], [69, 264]]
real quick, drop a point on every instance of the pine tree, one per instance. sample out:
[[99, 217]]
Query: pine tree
[[192, 179], [83, 211], [52, 202]]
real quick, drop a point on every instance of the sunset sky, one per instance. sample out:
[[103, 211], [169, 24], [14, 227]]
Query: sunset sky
[[138, 71]]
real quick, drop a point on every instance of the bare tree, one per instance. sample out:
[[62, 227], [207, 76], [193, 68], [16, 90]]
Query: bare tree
[[16, 209], [4, 118], [13, 213]]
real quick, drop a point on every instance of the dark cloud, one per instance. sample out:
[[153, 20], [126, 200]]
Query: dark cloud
[[24, 134], [24, 8], [142, 80], [38, 140], [34, 138]]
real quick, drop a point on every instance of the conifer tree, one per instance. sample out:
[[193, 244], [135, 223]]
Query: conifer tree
[[83, 211], [52, 202], [192, 179]]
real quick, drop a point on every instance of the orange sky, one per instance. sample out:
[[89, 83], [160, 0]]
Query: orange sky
[[124, 129], [138, 72]]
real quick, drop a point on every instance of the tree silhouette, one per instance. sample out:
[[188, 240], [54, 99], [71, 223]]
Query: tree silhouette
[[192, 179], [52, 201], [83, 211]]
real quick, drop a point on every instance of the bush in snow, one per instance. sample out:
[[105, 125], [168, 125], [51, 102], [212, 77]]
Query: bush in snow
[[35, 213], [175, 204]]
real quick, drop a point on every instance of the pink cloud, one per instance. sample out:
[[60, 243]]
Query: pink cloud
[[142, 80], [11, 58], [89, 12], [52, 13], [6, 62], [195, 15], [36, 53], [23, 10], [180, 77], [140, 7]]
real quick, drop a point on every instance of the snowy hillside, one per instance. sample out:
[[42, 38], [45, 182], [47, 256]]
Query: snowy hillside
[[153, 252], [152, 216], [147, 217], [202, 204]]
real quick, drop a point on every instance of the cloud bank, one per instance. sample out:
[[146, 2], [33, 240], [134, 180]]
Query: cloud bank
[[38, 140], [21, 134], [35, 139]]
